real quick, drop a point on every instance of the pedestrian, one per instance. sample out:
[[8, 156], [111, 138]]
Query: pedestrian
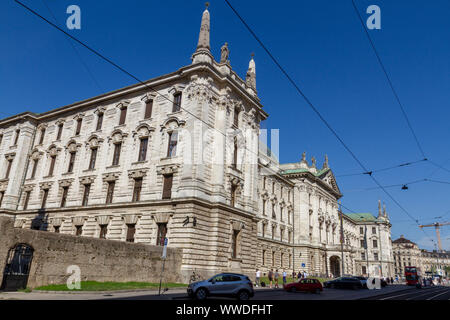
[[299, 275], [294, 275], [277, 275], [258, 277], [270, 276], [305, 274], [284, 278], [392, 280]]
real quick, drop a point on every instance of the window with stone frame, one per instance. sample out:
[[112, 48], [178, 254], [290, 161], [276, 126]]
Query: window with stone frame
[[60, 129], [41, 138], [116, 155], [234, 244], [289, 236], [56, 229], [362, 243], [235, 152], [110, 191], [2, 194], [374, 230], [44, 198], [16, 139], [93, 158], [137, 190], [375, 243], [123, 115], [143, 149], [27, 200], [148, 109], [65, 192], [78, 230], [375, 256], [236, 118], [100, 116], [361, 230], [363, 255], [176, 102], [233, 195], [281, 213], [274, 215], [281, 234], [273, 232], [78, 128], [161, 234], [263, 229], [52, 165], [103, 231], [131, 231], [264, 207], [167, 186], [363, 269], [34, 169], [8, 168], [273, 258], [72, 157], [172, 144], [264, 257], [86, 191]]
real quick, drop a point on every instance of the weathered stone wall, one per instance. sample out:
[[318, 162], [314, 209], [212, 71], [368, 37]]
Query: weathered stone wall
[[98, 259]]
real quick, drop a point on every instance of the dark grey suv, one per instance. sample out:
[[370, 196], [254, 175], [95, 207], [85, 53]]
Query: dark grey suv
[[224, 285]]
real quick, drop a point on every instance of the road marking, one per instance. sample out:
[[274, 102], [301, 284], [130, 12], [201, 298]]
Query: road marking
[[446, 291], [424, 294], [399, 295]]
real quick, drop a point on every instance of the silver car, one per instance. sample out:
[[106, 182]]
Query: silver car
[[224, 285]]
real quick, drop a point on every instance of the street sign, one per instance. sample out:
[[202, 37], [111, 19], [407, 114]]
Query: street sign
[[303, 265], [164, 255]]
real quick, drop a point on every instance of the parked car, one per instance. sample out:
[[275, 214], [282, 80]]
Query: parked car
[[308, 285], [344, 283], [363, 281], [224, 285]]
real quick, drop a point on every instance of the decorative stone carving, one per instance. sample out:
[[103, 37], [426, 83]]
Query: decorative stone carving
[[79, 116], [19, 223], [142, 131], [10, 156], [162, 217], [72, 146], [123, 104], [237, 225], [87, 180], [45, 185], [131, 218], [3, 186], [94, 142], [149, 96], [65, 183], [167, 169], [79, 221], [103, 219], [172, 123], [53, 151], [56, 222], [117, 136], [224, 53], [112, 176], [138, 173]]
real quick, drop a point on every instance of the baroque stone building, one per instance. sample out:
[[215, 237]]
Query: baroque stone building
[[179, 157], [408, 253]]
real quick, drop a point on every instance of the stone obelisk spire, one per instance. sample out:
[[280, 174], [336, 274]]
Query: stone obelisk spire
[[203, 53], [250, 79], [379, 209]]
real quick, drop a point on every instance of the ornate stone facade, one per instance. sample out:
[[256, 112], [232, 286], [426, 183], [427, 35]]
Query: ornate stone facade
[[179, 157]]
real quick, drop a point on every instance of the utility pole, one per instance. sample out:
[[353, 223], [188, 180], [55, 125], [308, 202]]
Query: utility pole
[[342, 237], [437, 225]]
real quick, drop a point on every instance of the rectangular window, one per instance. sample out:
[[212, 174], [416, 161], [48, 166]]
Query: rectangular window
[[375, 243], [110, 192], [264, 207], [35, 164], [87, 189], [236, 118], [233, 195], [375, 256], [52, 165], [8, 169], [1, 139], [56, 229], [71, 162], [363, 256], [172, 145], [2, 194], [363, 269], [143, 149], [167, 186], [78, 130], [16, 139], [103, 231], [176, 102], [64, 196], [99, 121], [44, 198], [123, 116], [27, 199], [274, 215], [137, 189], [131, 230], [374, 230], [361, 230], [289, 236], [78, 230], [60, 128], [162, 232], [234, 244], [41, 138], [273, 232], [362, 243], [264, 257], [148, 109], [235, 153], [116, 156], [93, 159]]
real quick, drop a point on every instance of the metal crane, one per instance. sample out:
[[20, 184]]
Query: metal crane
[[437, 225]]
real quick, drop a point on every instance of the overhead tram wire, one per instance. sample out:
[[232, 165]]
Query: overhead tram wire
[[389, 81], [122, 69], [311, 105], [380, 170]]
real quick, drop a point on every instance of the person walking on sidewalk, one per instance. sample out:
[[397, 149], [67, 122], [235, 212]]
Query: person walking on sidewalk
[[284, 277], [258, 277], [277, 275], [270, 276]]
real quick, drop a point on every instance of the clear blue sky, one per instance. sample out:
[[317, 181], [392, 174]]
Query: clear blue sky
[[320, 43]]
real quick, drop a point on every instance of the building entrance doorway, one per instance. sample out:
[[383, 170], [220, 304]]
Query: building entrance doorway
[[335, 266], [17, 268]]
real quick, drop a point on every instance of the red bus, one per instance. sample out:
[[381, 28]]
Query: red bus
[[412, 278]]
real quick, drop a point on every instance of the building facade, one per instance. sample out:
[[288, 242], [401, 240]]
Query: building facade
[[179, 157], [408, 253]]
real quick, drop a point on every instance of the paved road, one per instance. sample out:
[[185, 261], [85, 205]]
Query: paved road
[[433, 293]]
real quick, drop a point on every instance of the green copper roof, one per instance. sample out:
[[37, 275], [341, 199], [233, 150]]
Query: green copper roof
[[361, 217], [300, 170]]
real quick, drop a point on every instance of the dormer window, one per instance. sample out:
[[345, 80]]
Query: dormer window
[[176, 102]]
